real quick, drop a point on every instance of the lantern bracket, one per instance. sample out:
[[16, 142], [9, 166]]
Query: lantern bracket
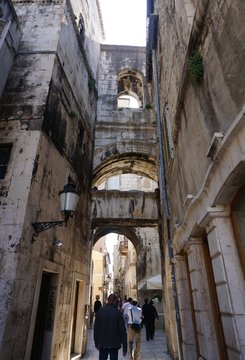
[[41, 226], [69, 198]]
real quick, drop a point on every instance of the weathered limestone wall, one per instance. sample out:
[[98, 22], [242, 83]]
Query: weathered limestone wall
[[48, 113], [122, 133], [93, 31], [130, 272], [217, 102], [134, 207], [208, 166], [113, 59], [148, 262], [25, 91]]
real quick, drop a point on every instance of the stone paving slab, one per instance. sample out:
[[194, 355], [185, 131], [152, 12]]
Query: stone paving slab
[[155, 349]]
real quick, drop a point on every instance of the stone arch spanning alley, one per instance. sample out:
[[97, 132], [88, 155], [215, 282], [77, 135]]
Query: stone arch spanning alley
[[125, 163], [125, 142], [126, 231]]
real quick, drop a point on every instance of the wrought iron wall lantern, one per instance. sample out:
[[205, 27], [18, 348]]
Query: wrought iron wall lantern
[[69, 197]]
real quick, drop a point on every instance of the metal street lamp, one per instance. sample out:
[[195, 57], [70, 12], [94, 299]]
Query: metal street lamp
[[69, 198]]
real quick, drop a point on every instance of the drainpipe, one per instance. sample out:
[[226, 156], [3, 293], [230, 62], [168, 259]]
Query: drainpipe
[[163, 184]]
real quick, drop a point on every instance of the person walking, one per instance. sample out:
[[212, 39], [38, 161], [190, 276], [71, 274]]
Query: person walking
[[134, 330], [125, 306], [147, 319], [97, 304], [109, 330], [154, 316]]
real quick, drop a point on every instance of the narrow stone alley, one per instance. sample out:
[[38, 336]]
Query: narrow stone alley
[[122, 170], [155, 349]]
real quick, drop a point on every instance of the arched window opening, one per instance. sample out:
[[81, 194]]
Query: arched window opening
[[238, 220], [130, 89]]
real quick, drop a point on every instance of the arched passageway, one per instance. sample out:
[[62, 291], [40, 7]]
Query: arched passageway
[[125, 260], [125, 143]]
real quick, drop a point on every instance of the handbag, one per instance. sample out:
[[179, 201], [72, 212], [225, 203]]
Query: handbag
[[136, 327]]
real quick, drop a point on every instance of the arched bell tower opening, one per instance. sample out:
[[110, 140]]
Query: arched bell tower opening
[[130, 92]]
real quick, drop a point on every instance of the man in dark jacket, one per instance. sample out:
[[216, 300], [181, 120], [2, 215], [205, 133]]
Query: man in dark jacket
[[147, 319], [153, 318], [97, 304], [109, 331]]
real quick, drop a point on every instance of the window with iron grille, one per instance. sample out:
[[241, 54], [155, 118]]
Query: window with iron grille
[[5, 151]]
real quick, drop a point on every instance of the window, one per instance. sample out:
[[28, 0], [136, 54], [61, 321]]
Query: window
[[130, 91], [5, 151]]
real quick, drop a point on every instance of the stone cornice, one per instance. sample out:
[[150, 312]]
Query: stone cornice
[[219, 211]]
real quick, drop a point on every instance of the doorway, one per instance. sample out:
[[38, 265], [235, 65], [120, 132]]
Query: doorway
[[43, 332], [74, 323], [79, 322]]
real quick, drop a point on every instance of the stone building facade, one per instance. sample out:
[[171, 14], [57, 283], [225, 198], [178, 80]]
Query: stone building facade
[[61, 81], [196, 58], [60, 119], [47, 121]]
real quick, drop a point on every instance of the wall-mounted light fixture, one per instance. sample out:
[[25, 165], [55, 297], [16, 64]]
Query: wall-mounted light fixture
[[69, 197]]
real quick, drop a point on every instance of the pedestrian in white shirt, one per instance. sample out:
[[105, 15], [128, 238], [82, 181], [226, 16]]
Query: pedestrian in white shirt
[[125, 308], [134, 330]]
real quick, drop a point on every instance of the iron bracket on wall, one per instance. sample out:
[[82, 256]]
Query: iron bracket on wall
[[45, 225]]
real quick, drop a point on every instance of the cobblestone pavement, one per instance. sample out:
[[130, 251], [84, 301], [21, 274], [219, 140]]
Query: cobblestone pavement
[[155, 349]]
